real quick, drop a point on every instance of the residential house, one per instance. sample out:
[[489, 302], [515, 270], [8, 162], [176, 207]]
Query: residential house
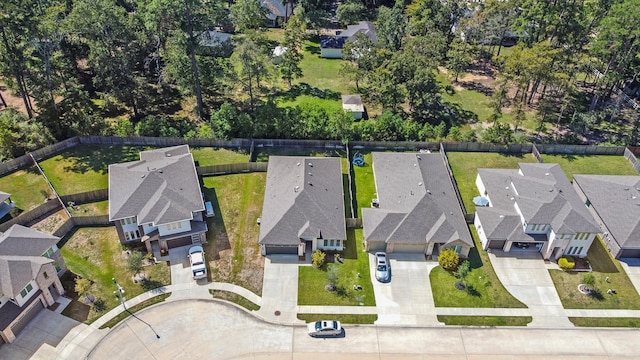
[[215, 43], [533, 206], [157, 200], [353, 104], [30, 263], [279, 11], [416, 209], [614, 201], [5, 204], [331, 46], [303, 206]]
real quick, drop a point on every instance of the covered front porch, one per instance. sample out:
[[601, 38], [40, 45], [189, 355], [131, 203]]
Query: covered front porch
[[159, 245]]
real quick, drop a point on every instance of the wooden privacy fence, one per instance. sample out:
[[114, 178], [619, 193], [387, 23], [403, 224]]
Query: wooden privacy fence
[[628, 154], [536, 154], [79, 221], [86, 197], [232, 168], [28, 217]]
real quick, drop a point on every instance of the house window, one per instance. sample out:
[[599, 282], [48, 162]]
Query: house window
[[48, 253], [580, 251], [130, 235], [456, 248], [326, 242], [568, 252], [46, 276], [331, 243], [26, 290], [337, 242]]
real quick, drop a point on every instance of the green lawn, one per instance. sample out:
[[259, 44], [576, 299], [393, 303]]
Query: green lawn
[[365, 184], [323, 73], [219, 156], [343, 318], [263, 153], [605, 322], [486, 289], [84, 167], [330, 105], [232, 250], [485, 320], [592, 164], [96, 254], [312, 281], [604, 266], [27, 187], [465, 170]]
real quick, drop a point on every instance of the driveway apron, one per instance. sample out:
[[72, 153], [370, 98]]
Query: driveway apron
[[407, 299], [524, 274], [280, 289]]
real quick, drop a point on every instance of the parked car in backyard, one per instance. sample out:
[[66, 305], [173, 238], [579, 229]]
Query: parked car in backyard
[[383, 270], [198, 266], [324, 328]]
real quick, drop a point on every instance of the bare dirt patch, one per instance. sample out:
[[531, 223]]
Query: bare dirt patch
[[51, 223], [12, 100]]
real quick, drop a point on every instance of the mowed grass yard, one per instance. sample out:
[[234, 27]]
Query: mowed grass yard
[[486, 290], [219, 156], [85, 167], [465, 170], [604, 266], [591, 164], [96, 254], [27, 187], [312, 281], [232, 251]]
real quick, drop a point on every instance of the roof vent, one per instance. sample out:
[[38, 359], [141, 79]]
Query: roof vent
[[310, 174], [626, 188], [142, 176], [310, 164], [160, 171], [551, 190], [506, 188], [420, 183], [546, 174], [414, 165], [298, 164], [168, 154], [501, 216], [634, 197], [512, 198], [419, 157], [310, 184], [428, 191], [296, 188]]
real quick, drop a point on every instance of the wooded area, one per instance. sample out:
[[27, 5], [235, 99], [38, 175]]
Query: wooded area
[[139, 68]]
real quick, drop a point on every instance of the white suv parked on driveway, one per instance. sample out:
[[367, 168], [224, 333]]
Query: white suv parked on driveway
[[198, 266]]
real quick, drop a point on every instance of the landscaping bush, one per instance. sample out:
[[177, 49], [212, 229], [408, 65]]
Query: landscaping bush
[[449, 259], [566, 263], [317, 258]]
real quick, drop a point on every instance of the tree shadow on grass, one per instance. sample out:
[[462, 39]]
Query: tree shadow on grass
[[217, 228], [306, 89], [97, 158]]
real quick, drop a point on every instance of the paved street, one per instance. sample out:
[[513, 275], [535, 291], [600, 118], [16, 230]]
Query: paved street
[[231, 333]]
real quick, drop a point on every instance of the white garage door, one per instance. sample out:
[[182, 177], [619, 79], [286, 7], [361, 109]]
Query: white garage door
[[409, 248]]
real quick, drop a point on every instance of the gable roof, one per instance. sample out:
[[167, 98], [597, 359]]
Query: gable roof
[[303, 199], [337, 41], [616, 199], [352, 103], [417, 201], [21, 259], [542, 193], [277, 8], [213, 38], [160, 188]]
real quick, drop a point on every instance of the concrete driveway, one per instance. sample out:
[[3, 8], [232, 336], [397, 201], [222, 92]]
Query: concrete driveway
[[280, 289], [525, 275], [45, 331], [407, 299], [180, 266]]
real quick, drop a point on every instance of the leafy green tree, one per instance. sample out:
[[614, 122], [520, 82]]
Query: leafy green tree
[[248, 15], [589, 280], [449, 259], [350, 12], [498, 133], [391, 26], [294, 37], [19, 134], [134, 262], [389, 127], [459, 56], [251, 65], [462, 272]]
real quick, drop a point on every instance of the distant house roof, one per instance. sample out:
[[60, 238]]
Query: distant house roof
[[213, 38], [417, 202], [303, 199], [21, 250], [337, 42], [352, 103], [277, 8], [616, 199], [542, 193], [160, 188]]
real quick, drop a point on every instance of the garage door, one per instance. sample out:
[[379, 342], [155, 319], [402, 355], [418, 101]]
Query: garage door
[[497, 244], [282, 250], [409, 248], [377, 246], [31, 313], [179, 242]]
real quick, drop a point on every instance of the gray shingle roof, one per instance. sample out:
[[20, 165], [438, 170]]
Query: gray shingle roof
[[303, 199], [162, 187], [21, 250], [417, 201], [352, 103], [4, 196], [363, 27], [616, 199], [277, 8], [543, 194]]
